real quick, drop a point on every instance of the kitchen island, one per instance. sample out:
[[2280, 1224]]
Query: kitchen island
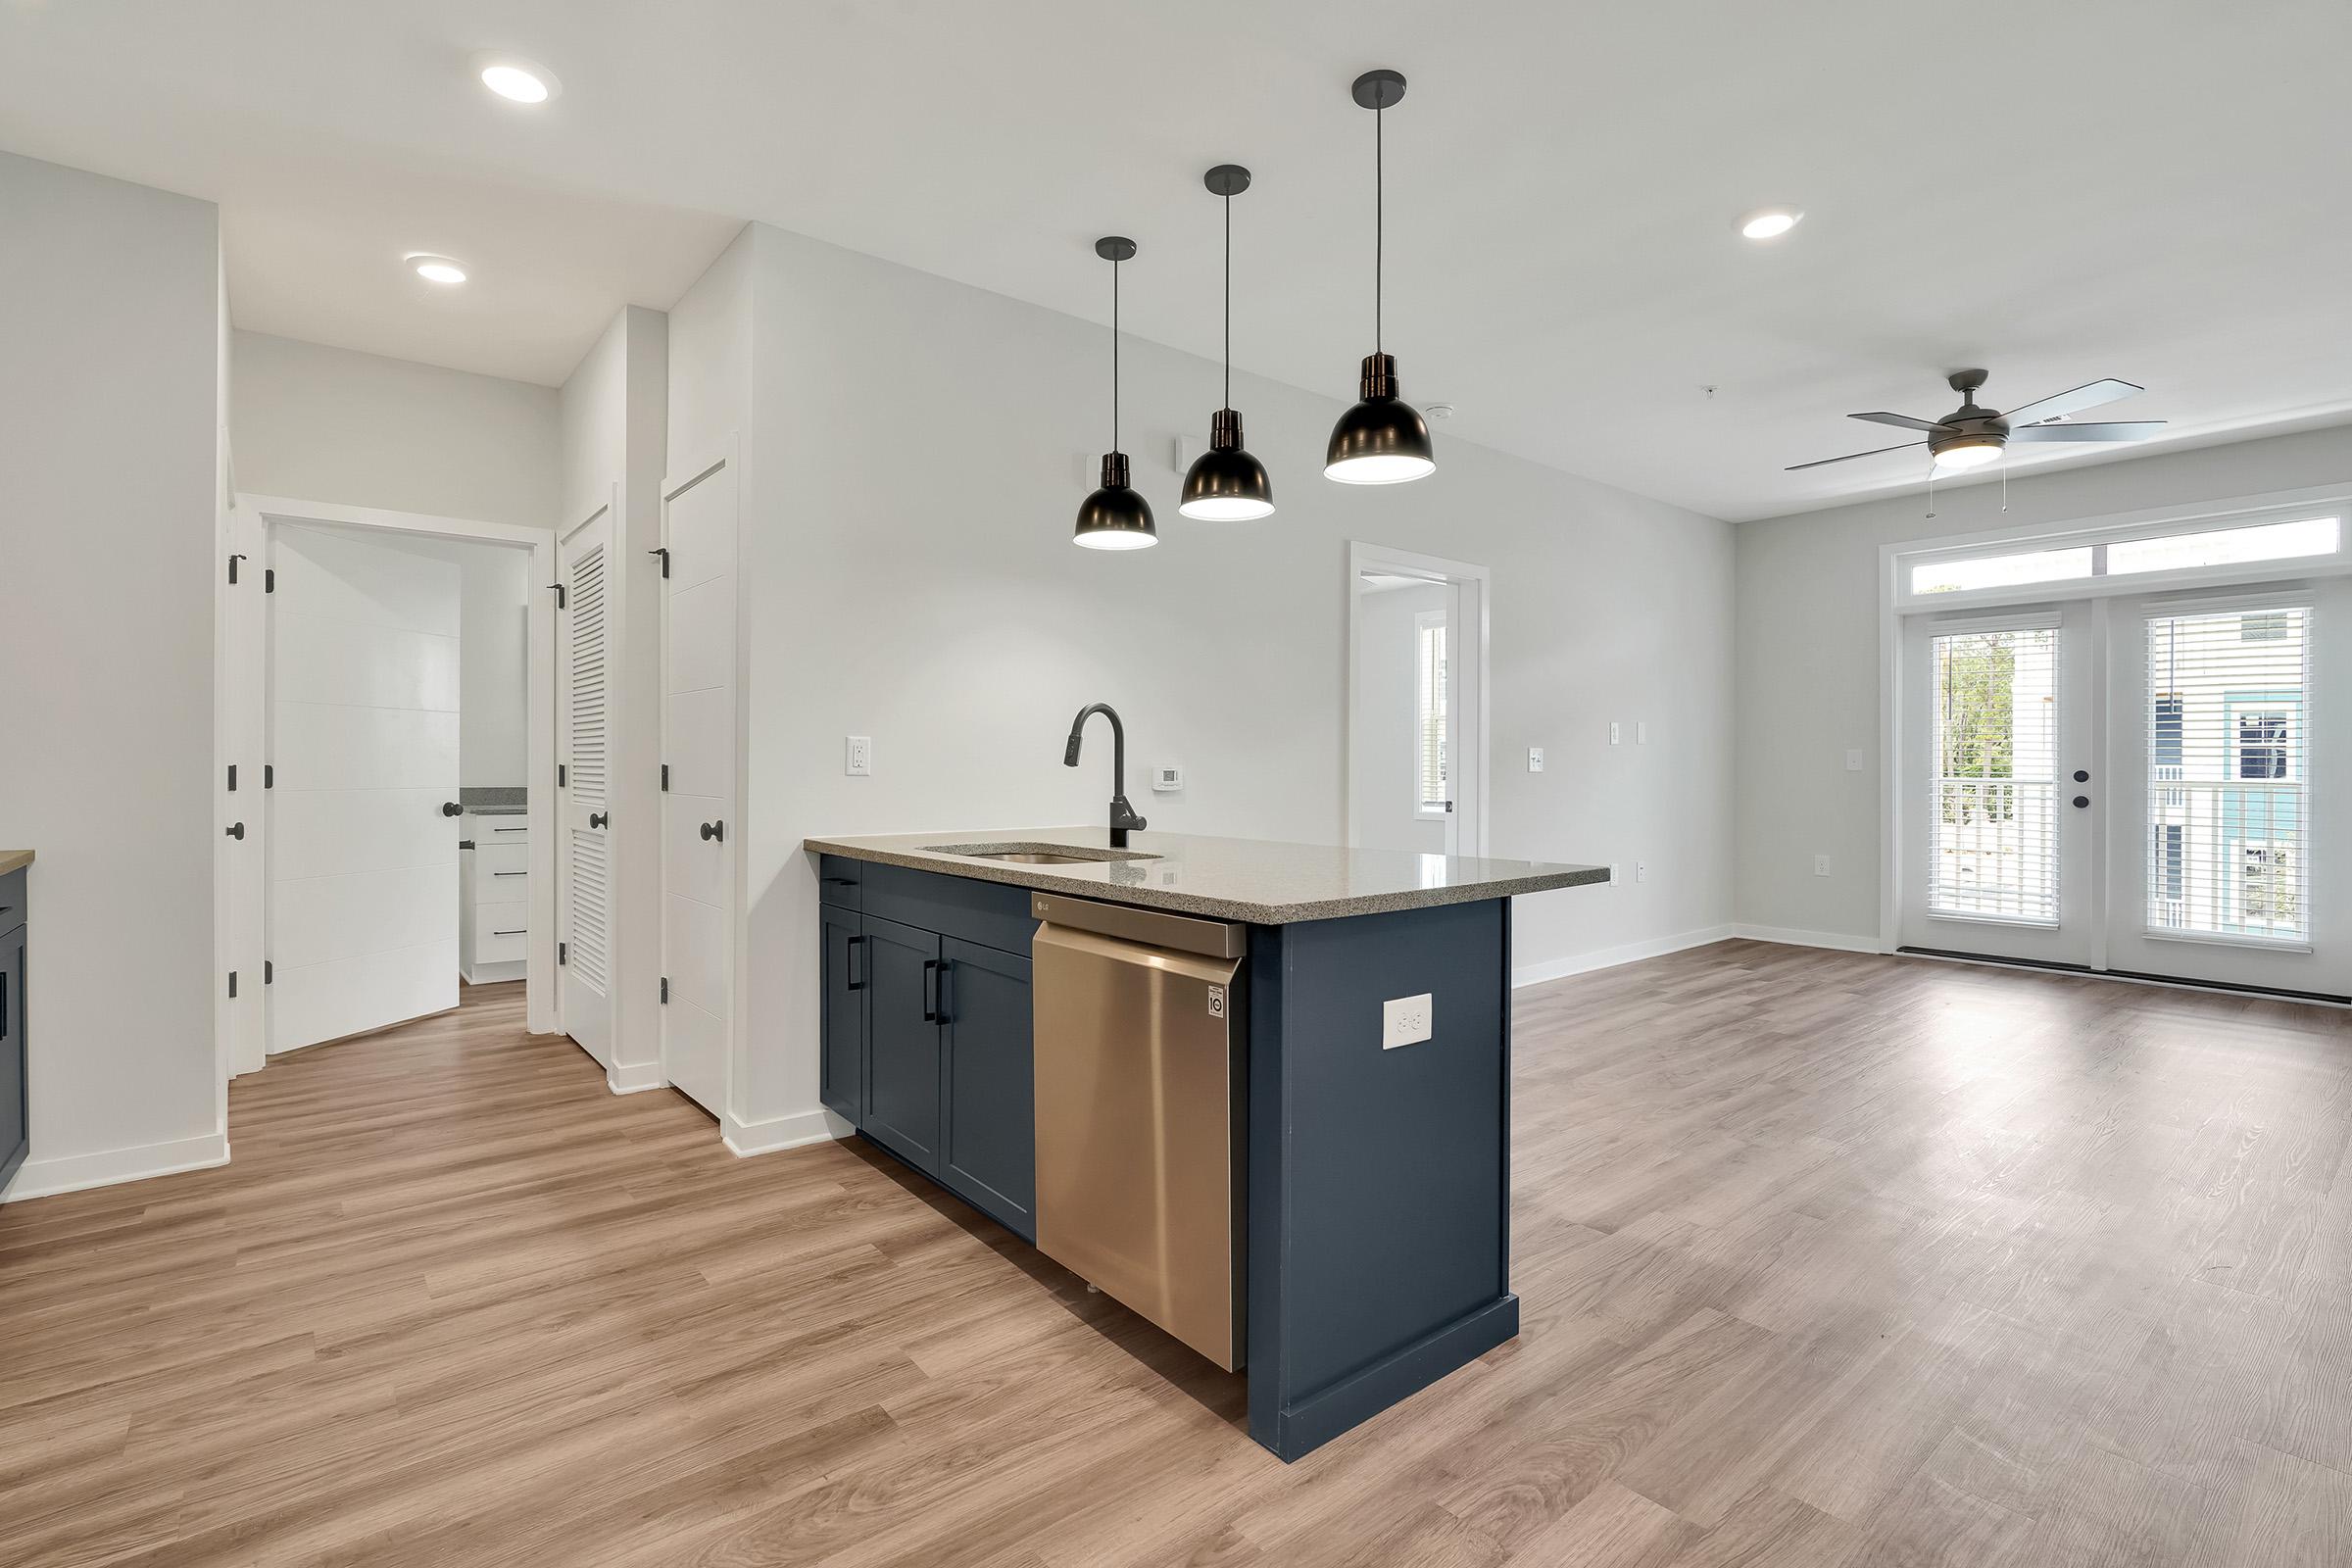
[[1369, 1180]]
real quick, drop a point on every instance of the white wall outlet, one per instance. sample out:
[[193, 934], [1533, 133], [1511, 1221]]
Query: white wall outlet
[[1167, 776], [859, 762], [1640, 871], [1853, 758], [1616, 732], [1821, 865], [1535, 759], [1641, 732], [1404, 1021]]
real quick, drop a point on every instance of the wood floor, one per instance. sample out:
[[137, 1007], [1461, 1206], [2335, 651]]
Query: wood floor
[[1827, 1261]]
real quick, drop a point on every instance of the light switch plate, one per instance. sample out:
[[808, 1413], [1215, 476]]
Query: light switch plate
[[1641, 732], [1616, 732], [859, 762], [1404, 1021]]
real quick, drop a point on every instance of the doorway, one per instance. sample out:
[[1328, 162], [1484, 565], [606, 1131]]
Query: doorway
[[1417, 776], [2150, 784]]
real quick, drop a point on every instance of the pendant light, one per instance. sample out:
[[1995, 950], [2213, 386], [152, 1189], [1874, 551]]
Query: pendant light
[[1226, 483], [1115, 517], [1383, 439]]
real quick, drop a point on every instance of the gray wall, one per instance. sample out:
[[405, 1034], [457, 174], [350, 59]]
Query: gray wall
[[1808, 653], [109, 418]]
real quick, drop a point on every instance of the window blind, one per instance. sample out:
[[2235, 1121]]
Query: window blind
[[2229, 785], [1429, 718], [1992, 827]]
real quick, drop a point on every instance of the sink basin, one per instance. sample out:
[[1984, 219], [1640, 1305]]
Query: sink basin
[[1037, 853]]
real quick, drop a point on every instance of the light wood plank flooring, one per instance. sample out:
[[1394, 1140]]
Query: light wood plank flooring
[[1827, 1261]]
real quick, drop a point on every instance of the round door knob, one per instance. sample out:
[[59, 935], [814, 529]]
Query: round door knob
[[451, 808], [2081, 777], [599, 818], [236, 830], [2081, 800], [715, 831]]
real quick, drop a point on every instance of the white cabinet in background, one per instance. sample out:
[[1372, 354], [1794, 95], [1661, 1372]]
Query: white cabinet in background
[[494, 894]]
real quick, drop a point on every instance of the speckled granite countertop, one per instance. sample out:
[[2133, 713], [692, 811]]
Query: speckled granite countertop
[[1260, 881], [14, 860]]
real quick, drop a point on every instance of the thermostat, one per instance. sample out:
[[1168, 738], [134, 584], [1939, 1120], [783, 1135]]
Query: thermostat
[[1165, 778]]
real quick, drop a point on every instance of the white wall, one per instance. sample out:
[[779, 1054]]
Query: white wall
[[613, 412], [322, 424], [915, 451], [1382, 749], [108, 418], [1808, 654]]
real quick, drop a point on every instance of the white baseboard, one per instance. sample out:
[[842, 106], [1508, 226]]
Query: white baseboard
[[1789, 937], [72, 1173], [634, 1077], [1530, 974], [782, 1132]]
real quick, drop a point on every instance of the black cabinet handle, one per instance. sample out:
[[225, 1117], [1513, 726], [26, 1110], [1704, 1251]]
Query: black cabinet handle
[[509, 830], [946, 971], [452, 808], [236, 830], [599, 818], [517, 931], [857, 976], [930, 991], [715, 831], [510, 873]]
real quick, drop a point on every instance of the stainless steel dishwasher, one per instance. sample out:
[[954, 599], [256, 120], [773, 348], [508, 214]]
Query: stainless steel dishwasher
[[1142, 1063]]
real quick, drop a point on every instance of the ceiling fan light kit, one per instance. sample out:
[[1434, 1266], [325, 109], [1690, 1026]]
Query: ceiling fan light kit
[[1972, 437]]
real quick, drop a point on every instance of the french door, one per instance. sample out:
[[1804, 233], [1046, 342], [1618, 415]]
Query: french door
[[2155, 785]]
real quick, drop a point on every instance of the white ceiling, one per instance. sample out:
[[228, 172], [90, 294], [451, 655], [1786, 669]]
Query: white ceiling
[[2150, 189]]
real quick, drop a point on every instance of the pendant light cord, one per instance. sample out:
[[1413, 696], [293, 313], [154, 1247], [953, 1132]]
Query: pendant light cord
[[1229, 301], [1114, 355], [1379, 224]]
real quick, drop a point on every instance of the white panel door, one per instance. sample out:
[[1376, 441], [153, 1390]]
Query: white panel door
[[362, 914], [700, 832], [2229, 787], [1997, 837], [584, 910]]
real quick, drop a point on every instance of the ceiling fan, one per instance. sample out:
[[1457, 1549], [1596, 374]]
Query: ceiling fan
[[1969, 437]]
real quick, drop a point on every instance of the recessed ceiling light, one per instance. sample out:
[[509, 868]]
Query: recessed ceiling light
[[510, 76], [436, 268], [1770, 223]]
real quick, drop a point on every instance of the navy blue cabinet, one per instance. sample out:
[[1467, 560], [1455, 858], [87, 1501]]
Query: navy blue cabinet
[[988, 1122], [14, 1101], [926, 1028]]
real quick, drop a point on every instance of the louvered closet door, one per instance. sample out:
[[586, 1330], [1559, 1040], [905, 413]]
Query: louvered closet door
[[584, 911], [701, 832]]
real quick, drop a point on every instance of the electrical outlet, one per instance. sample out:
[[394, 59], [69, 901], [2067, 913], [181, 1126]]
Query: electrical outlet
[[1642, 732], [1821, 865], [1535, 759], [1853, 758], [1640, 871], [1404, 1021], [860, 762], [1616, 732]]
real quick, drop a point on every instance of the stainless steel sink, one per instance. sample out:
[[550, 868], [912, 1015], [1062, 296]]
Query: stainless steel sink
[[1037, 853]]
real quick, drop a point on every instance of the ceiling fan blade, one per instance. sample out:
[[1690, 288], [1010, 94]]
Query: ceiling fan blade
[[2065, 403], [1852, 456], [1901, 422], [2127, 430]]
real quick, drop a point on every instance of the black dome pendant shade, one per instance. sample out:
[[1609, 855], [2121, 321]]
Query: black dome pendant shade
[[1383, 439], [1226, 484], [1115, 517]]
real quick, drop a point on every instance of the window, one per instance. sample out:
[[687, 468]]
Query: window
[[2001, 571], [2224, 547], [1993, 819], [1432, 784], [2227, 756], [2179, 551]]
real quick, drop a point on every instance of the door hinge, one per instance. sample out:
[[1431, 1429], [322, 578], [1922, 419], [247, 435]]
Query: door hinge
[[558, 588], [269, 775], [663, 553], [232, 985], [232, 777], [232, 567], [665, 778], [665, 990], [559, 958], [559, 775], [268, 972]]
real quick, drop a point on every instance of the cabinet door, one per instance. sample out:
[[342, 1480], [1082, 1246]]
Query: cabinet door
[[13, 1098], [988, 1132], [902, 1067], [842, 1071]]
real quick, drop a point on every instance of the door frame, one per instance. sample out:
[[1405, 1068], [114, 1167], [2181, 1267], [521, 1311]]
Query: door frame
[[240, 735], [1472, 581]]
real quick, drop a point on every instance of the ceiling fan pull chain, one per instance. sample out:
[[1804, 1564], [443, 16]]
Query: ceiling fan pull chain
[[2004, 486], [1931, 489]]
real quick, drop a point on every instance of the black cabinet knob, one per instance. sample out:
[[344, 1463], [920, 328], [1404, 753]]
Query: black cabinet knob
[[2081, 800], [451, 808], [599, 818], [2081, 777], [236, 830], [715, 831]]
